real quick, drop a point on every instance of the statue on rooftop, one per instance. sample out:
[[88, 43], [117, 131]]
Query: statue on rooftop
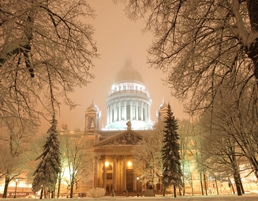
[[129, 125]]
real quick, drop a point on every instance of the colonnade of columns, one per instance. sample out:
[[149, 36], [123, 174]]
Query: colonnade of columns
[[128, 109], [119, 173]]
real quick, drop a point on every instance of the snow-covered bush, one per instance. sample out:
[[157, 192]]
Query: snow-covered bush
[[96, 192]]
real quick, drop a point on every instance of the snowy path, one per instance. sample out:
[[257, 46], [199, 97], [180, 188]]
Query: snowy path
[[252, 197]]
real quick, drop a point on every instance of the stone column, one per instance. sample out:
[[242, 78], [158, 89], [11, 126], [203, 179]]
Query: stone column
[[134, 180], [104, 174], [85, 122], [136, 105], [124, 173], [100, 172], [125, 111], [131, 110], [95, 173], [95, 122], [114, 173], [112, 113], [149, 112], [141, 111], [119, 112], [146, 116], [144, 106], [115, 111], [108, 114]]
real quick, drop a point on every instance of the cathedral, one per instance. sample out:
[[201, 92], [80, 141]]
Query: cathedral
[[128, 119]]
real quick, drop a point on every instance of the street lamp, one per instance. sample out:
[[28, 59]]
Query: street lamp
[[16, 182], [68, 188], [137, 189]]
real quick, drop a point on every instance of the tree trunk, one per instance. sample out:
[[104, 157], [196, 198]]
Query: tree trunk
[[238, 182], [252, 50], [6, 183], [45, 193], [164, 192], [201, 183], [174, 191], [41, 193], [254, 162], [53, 194], [192, 184], [231, 185], [216, 182], [71, 190], [241, 185], [182, 190], [205, 186], [59, 185]]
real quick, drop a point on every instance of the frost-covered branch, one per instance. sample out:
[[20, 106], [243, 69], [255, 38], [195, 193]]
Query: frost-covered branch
[[201, 45], [40, 39]]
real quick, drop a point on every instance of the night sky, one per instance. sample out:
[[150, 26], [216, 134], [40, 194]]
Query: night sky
[[118, 39]]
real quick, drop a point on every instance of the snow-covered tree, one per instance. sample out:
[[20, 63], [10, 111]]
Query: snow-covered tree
[[15, 152], [200, 44], [231, 134], [79, 160], [46, 174], [187, 149], [44, 43], [172, 172], [221, 157], [147, 156]]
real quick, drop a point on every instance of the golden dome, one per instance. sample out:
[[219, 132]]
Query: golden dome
[[128, 74]]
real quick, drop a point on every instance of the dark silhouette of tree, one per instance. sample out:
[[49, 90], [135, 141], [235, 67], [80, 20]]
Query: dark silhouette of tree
[[230, 138], [15, 153], [147, 158], [79, 160], [201, 45], [44, 43], [172, 172], [46, 174]]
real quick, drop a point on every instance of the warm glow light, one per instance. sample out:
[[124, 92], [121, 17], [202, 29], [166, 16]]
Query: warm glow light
[[106, 164], [129, 163], [66, 173]]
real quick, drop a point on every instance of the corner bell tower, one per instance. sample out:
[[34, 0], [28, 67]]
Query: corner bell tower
[[92, 119]]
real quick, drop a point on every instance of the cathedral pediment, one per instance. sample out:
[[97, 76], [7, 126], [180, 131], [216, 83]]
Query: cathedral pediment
[[127, 137]]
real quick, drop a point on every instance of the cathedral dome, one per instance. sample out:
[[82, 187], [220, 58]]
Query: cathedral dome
[[93, 106], [128, 100], [162, 111], [163, 105], [128, 74]]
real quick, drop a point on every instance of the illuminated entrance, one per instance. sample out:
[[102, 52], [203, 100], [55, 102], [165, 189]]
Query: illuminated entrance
[[114, 168]]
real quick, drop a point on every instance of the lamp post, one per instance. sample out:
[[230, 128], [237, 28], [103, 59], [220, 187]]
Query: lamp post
[[137, 189], [16, 182], [68, 188]]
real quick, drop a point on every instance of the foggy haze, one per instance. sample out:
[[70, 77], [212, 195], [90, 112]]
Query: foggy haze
[[118, 39]]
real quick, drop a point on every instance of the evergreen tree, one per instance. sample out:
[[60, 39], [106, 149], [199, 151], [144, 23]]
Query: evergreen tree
[[47, 171], [172, 172]]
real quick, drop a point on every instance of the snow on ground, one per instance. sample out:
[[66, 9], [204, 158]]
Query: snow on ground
[[248, 197]]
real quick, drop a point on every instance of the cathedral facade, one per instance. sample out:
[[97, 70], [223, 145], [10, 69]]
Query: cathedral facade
[[128, 119]]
